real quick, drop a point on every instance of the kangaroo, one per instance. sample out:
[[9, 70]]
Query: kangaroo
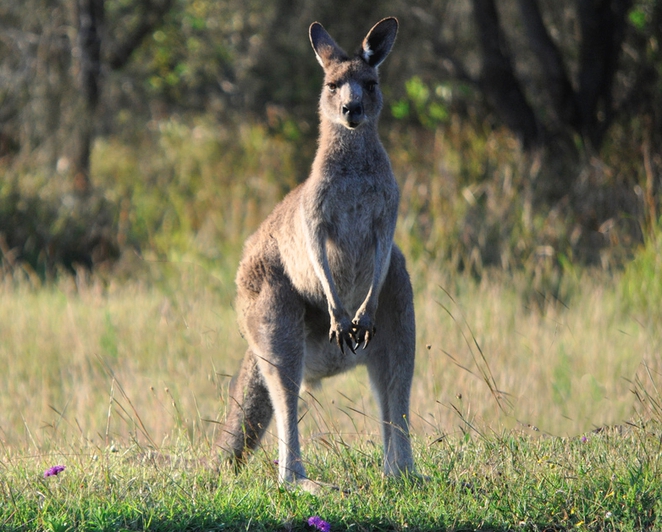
[[322, 275]]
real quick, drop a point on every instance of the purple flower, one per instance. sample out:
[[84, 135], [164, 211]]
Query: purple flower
[[584, 439], [319, 523], [55, 470]]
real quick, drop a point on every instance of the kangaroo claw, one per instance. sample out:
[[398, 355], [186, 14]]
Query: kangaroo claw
[[343, 338], [367, 339], [349, 340]]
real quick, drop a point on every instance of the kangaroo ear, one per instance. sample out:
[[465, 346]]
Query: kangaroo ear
[[379, 41], [325, 47]]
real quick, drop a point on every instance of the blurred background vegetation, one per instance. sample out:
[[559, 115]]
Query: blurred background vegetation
[[526, 135]]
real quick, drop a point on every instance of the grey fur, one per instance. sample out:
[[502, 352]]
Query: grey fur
[[322, 267]]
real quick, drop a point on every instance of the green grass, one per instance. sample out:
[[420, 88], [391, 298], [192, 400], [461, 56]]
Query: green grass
[[607, 481]]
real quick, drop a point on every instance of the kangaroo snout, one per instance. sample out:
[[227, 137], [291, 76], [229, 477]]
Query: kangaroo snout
[[353, 113], [351, 100]]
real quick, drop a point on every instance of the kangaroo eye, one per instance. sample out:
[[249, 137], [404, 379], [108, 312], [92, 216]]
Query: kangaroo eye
[[332, 87], [370, 86]]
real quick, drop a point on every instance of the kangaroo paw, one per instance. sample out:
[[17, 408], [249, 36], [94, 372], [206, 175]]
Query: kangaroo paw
[[342, 332], [363, 330]]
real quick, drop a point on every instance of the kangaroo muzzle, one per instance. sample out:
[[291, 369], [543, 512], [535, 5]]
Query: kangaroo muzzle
[[352, 108], [353, 113]]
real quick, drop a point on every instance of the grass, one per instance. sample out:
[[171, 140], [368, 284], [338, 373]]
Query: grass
[[164, 347], [497, 483], [124, 383]]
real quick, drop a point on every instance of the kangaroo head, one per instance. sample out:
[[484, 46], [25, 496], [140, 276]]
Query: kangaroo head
[[351, 94]]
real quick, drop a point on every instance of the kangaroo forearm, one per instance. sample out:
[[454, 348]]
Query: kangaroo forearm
[[382, 261], [316, 246]]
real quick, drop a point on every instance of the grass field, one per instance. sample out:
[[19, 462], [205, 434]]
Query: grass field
[[608, 481], [124, 382]]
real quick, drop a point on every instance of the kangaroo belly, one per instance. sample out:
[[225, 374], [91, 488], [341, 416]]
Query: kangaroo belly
[[351, 270], [350, 244]]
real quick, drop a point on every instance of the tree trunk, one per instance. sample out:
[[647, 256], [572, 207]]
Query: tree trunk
[[602, 25], [90, 20], [88, 43], [558, 83], [498, 80], [588, 108]]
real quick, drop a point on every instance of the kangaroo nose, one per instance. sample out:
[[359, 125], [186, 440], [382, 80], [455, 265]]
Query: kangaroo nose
[[352, 110]]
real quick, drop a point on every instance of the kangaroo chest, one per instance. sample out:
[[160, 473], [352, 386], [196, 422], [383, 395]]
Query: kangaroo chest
[[348, 206], [357, 211]]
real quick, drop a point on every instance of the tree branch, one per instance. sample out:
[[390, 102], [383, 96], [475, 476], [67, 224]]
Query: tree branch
[[151, 17]]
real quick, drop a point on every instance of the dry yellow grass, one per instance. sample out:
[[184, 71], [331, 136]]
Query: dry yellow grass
[[149, 360], [497, 359]]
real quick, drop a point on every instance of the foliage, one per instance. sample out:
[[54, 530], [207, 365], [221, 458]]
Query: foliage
[[428, 107], [640, 286], [196, 189], [52, 230]]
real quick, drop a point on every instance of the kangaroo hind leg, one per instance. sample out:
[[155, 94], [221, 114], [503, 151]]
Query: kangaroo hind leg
[[391, 365], [274, 327]]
